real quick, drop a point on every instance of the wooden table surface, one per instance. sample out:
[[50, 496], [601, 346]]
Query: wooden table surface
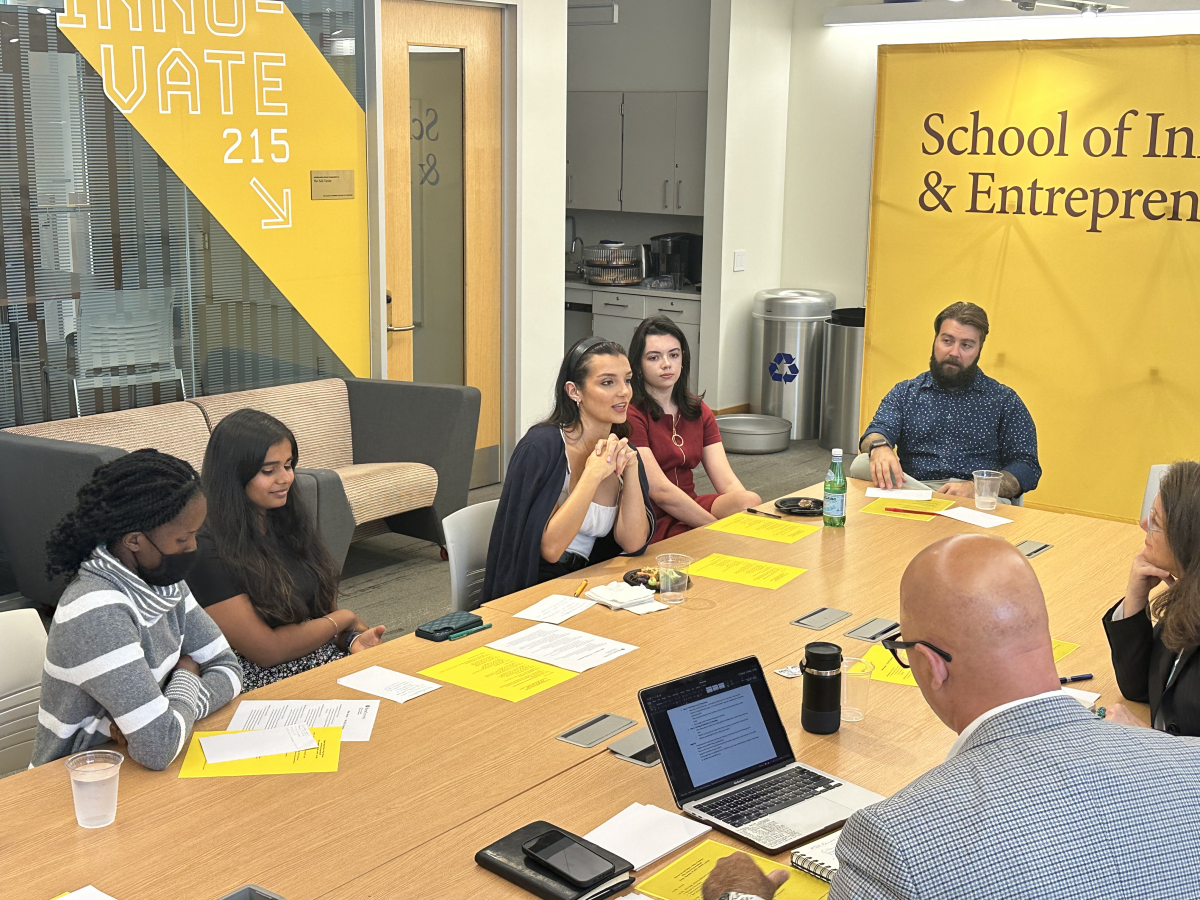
[[450, 772]]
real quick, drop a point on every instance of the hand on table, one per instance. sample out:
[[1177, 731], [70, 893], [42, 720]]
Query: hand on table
[[740, 873], [1143, 578], [958, 489], [371, 637], [1122, 715], [886, 471]]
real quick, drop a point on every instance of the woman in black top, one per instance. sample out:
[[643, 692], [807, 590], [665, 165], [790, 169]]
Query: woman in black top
[[263, 572], [1154, 640]]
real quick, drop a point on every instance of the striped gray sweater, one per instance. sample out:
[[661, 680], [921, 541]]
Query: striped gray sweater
[[112, 645]]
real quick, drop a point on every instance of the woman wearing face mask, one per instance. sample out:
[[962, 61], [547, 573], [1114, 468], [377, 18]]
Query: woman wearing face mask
[[263, 573], [675, 431], [130, 655], [1154, 640], [574, 493]]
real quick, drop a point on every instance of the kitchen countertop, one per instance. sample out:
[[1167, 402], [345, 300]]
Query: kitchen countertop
[[691, 292]]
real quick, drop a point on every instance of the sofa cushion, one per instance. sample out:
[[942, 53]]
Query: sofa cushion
[[176, 428], [377, 490], [317, 412]]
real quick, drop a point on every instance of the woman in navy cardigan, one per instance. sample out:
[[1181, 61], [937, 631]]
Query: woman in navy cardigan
[[574, 494]]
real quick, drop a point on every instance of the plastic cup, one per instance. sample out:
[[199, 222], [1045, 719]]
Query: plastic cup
[[856, 687], [94, 775], [672, 577], [987, 488]]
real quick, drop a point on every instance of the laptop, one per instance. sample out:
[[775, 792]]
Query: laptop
[[728, 761]]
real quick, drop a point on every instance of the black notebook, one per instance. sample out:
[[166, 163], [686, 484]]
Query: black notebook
[[506, 858]]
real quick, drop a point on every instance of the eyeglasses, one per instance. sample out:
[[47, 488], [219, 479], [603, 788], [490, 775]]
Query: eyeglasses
[[900, 650], [1153, 526]]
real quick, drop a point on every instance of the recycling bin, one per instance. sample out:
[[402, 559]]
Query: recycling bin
[[787, 354], [841, 382]]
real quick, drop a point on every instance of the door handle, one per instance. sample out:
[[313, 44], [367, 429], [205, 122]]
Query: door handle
[[666, 191], [570, 188], [675, 312], [622, 305], [392, 328], [678, 193]]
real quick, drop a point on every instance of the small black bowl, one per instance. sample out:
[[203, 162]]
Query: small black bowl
[[800, 506]]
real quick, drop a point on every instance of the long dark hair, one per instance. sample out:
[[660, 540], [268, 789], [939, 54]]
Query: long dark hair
[[1178, 607], [575, 368], [265, 557], [686, 402], [136, 492]]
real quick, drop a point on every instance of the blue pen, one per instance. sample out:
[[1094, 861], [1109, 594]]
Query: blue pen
[[1071, 679], [463, 634]]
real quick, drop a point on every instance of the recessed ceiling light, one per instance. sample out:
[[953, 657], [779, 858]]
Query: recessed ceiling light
[[13, 40], [336, 33], [44, 11]]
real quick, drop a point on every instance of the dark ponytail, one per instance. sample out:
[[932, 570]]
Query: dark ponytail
[[576, 366], [136, 492]]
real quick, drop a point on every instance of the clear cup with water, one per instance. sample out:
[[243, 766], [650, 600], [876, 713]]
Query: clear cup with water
[[856, 687], [987, 488], [673, 577], [94, 775]]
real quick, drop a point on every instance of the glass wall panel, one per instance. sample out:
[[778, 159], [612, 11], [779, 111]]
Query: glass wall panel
[[117, 287]]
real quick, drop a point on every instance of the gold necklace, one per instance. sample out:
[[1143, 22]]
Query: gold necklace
[[676, 437]]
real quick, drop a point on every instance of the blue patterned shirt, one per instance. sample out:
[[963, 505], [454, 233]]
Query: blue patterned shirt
[[943, 434]]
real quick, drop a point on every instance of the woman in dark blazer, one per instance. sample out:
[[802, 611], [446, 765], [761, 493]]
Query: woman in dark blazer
[[1154, 641]]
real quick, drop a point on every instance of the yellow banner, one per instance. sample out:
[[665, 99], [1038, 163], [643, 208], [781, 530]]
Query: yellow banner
[[238, 101], [1057, 185]]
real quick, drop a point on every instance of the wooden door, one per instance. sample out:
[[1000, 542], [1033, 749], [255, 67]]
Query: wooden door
[[691, 130], [594, 150], [648, 163], [414, 163]]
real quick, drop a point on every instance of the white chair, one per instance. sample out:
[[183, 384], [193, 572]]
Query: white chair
[[1156, 475], [22, 652], [467, 534]]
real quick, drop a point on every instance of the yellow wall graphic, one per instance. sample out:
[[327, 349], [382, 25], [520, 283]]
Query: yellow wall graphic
[[1056, 184], [237, 100]]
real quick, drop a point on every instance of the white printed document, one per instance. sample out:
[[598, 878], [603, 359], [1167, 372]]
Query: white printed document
[[386, 683], [220, 748], [86, 893], [575, 651], [555, 609], [356, 717], [901, 493], [645, 834], [974, 517]]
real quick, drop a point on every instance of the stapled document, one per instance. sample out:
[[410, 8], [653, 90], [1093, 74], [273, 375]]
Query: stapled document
[[388, 684], [575, 651], [222, 748], [555, 609], [355, 717]]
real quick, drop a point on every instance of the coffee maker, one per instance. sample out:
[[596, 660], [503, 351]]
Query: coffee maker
[[677, 255]]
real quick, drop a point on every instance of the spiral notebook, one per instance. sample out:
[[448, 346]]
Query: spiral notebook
[[818, 858]]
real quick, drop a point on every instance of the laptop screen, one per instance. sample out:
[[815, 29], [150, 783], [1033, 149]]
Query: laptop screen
[[715, 728]]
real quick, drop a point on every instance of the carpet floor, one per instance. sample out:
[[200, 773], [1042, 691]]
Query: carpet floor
[[400, 582]]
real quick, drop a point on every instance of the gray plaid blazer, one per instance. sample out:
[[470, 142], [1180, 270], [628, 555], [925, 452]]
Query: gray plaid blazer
[[1044, 801]]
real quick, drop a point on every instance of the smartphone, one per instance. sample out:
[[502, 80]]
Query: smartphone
[[568, 858], [875, 630]]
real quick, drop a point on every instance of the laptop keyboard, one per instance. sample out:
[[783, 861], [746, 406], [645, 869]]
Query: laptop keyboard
[[764, 797]]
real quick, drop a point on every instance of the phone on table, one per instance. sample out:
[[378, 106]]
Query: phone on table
[[568, 858]]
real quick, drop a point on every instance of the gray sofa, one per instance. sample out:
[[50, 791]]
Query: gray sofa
[[375, 456]]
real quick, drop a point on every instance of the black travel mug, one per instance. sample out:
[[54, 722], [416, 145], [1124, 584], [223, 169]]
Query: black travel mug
[[821, 706]]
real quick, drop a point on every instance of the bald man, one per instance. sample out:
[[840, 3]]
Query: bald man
[[1037, 797]]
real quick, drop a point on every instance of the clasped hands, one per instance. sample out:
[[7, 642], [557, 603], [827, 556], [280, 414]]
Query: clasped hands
[[611, 455]]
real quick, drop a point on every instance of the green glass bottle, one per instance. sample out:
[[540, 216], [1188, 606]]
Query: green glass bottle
[[835, 493]]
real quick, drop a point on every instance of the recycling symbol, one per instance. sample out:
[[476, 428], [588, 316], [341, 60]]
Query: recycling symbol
[[783, 368]]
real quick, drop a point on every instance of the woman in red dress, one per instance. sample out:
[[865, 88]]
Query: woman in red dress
[[675, 431]]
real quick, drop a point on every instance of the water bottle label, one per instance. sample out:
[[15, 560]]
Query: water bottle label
[[835, 505]]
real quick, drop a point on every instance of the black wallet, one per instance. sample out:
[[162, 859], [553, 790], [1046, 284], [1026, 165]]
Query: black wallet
[[442, 628], [508, 860]]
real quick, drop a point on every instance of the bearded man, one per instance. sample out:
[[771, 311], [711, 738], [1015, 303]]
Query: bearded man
[[951, 421]]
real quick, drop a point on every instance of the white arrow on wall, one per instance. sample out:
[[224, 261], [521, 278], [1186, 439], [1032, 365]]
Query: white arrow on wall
[[283, 214]]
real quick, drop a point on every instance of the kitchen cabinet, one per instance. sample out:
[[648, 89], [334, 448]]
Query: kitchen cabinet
[[594, 150], [617, 314], [691, 130]]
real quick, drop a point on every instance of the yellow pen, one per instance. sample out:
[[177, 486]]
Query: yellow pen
[[579, 590]]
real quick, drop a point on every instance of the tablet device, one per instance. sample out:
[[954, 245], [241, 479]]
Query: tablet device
[[820, 619]]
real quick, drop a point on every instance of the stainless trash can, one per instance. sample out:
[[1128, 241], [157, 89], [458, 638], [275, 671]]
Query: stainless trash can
[[786, 356], [841, 380]]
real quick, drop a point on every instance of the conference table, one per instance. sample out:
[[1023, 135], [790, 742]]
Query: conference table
[[449, 772]]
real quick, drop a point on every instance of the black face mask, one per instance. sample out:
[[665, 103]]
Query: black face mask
[[171, 569]]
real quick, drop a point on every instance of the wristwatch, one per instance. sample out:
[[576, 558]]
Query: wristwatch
[[882, 442]]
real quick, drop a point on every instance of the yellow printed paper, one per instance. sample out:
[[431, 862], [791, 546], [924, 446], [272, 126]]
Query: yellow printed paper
[[498, 674], [761, 527], [750, 572], [322, 758], [887, 669], [684, 878], [923, 510]]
